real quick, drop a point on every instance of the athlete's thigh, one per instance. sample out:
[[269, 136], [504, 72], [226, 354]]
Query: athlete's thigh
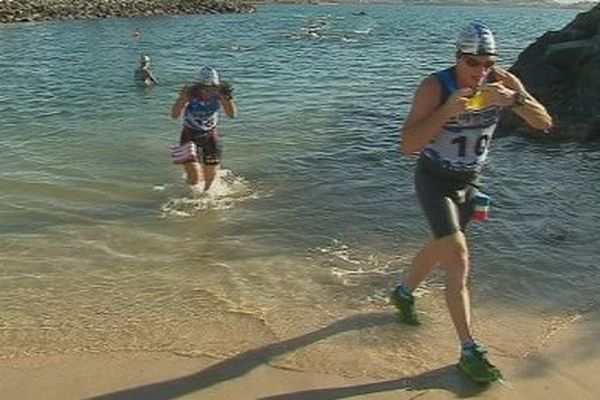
[[437, 203], [466, 208], [212, 149]]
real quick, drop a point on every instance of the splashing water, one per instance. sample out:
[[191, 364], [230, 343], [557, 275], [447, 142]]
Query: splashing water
[[226, 191]]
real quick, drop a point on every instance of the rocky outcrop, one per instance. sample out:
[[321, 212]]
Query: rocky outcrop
[[44, 10], [562, 69]]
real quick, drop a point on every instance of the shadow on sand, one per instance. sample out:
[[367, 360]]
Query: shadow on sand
[[445, 378]]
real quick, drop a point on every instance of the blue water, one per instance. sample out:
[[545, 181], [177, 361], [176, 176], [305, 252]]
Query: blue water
[[315, 216]]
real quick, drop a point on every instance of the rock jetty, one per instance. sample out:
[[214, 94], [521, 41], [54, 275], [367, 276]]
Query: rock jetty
[[562, 69], [44, 10]]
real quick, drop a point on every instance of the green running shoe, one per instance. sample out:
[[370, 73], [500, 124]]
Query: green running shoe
[[475, 365], [405, 303]]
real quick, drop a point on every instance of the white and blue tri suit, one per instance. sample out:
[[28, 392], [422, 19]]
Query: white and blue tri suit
[[200, 119], [202, 115], [464, 142], [449, 166]]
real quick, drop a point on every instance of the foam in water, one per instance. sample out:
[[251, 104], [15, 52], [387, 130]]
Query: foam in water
[[365, 31], [227, 190], [348, 264]]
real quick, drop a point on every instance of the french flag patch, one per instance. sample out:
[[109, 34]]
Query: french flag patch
[[185, 153]]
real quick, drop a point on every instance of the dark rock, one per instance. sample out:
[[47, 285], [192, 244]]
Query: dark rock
[[562, 70], [563, 55], [41, 10]]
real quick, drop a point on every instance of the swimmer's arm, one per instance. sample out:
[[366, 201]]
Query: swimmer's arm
[[180, 103], [150, 75], [531, 111], [228, 106], [427, 117], [534, 113]]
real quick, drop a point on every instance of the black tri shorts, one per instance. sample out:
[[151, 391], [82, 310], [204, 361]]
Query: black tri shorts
[[209, 146], [445, 196]]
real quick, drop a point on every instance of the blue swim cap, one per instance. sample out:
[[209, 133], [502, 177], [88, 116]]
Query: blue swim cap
[[477, 39]]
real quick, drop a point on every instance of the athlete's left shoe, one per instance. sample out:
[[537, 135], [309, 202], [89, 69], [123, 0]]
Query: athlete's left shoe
[[405, 303], [475, 365]]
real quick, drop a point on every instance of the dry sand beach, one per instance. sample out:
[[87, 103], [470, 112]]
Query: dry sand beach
[[563, 368]]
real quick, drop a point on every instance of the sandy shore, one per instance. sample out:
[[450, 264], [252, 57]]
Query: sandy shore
[[563, 368]]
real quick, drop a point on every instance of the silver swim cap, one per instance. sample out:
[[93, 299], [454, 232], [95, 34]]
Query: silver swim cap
[[477, 39], [208, 76]]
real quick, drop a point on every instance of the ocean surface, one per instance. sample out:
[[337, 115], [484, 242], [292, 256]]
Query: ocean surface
[[314, 219]]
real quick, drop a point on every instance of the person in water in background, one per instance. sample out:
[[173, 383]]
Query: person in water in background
[[143, 73], [199, 104], [453, 115]]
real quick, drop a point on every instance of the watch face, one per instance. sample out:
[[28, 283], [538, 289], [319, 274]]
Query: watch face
[[519, 99]]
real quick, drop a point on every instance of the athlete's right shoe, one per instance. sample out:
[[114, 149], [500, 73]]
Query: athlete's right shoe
[[475, 365], [405, 303]]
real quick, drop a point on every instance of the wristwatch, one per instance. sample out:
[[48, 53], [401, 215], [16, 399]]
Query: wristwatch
[[518, 99]]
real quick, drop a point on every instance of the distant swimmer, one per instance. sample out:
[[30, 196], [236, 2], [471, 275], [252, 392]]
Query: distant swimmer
[[313, 34], [199, 105], [143, 74], [136, 33], [316, 26], [314, 30]]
